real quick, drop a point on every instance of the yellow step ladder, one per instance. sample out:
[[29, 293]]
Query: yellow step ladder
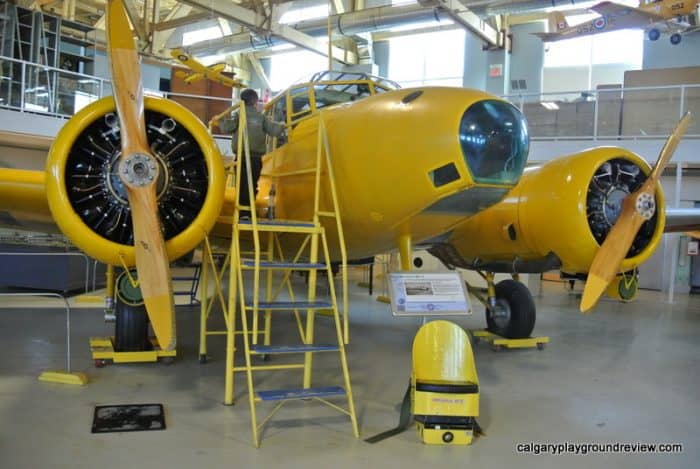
[[248, 298]]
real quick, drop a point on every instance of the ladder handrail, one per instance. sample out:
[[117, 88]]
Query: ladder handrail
[[323, 136]]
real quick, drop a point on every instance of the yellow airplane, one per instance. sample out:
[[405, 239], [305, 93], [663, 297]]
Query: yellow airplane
[[655, 17], [138, 181], [199, 71]]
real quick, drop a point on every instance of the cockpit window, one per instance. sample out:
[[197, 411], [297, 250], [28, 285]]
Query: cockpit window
[[495, 143]]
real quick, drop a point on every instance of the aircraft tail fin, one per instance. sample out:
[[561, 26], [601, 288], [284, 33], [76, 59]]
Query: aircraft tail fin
[[556, 21]]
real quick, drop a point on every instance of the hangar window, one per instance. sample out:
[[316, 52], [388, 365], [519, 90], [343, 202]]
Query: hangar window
[[294, 67], [211, 31], [295, 15], [435, 59], [589, 61]]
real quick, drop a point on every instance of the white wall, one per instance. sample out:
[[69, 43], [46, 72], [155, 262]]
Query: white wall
[[648, 149], [663, 54], [150, 74], [556, 79]]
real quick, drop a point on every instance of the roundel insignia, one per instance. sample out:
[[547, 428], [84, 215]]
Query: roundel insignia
[[561, 25], [599, 23]]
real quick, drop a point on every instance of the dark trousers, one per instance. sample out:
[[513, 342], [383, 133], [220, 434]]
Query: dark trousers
[[256, 168]]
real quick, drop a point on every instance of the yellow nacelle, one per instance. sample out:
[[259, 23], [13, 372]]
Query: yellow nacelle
[[79, 135], [547, 213], [385, 151]]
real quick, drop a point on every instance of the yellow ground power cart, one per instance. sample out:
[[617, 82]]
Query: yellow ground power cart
[[444, 385]]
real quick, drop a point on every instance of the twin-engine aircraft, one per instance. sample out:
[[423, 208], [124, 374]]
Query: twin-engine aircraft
[[654, 18], [139, 181]]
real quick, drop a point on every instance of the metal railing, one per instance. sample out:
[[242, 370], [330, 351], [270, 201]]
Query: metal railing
[[40, 89], [601, 114], [636, 113], [48, 295], [29, 87]]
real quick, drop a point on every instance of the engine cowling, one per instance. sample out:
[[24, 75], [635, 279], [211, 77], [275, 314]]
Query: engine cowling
[[89, 202], [561, 210]]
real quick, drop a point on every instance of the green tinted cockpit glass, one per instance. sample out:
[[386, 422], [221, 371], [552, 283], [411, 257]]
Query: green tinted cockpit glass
[[495, 143]]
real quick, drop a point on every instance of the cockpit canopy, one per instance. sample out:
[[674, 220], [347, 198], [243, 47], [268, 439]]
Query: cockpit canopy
[[495, 142], [325, 89]]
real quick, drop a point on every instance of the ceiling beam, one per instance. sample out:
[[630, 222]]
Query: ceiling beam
[[339, 7], [180, 19], [254, 22], [162, 34], [457, 10], [259, 70], [135, 18]]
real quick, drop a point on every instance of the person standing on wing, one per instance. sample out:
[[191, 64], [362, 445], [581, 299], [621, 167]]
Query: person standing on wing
[[258, 127]]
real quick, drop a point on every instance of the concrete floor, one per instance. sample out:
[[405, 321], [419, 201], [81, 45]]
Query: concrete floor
[[626, 373]]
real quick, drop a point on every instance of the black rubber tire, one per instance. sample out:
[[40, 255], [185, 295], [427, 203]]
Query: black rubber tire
[[131, 328], [522, 311]]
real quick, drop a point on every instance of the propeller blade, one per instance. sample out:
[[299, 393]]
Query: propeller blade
[[606, 263], [152, 265], [670, 147], [636, 209], [126, 79], [138, 170]]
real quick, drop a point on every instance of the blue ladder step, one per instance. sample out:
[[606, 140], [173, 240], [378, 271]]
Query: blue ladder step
[[288, 394], [290, 305], [271, 349], [264, 224], [284, 265]]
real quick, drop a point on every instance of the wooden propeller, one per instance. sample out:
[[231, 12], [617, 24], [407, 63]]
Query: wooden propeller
[[138, 170], [637, 208]]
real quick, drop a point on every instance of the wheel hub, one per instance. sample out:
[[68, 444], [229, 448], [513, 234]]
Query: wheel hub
[[646, 206], [139, 170], [500, 313]]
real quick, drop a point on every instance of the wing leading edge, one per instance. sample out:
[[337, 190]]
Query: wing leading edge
[[23, 201]]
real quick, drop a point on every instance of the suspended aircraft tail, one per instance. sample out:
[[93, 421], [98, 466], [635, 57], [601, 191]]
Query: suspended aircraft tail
[[556, 22]]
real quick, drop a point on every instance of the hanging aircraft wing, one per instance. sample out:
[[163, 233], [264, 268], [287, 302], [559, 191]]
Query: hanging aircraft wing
[[617, 11]]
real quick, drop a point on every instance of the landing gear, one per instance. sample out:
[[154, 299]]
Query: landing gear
[[624, 287], [675, 39], [130, 343], [131, 331], [510, 311], [654, 34]]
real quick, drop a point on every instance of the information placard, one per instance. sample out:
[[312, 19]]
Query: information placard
[[425, 294]]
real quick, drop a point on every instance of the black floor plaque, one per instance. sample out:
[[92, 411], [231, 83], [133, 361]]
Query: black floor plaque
[[128, 418]]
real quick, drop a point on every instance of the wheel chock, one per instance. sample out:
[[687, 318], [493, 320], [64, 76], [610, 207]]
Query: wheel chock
[[64, 377], [497, 342]]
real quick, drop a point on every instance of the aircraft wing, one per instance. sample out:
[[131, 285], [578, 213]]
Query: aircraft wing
[[615, 10], [23, 203], [551, 37], [682, 219]]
